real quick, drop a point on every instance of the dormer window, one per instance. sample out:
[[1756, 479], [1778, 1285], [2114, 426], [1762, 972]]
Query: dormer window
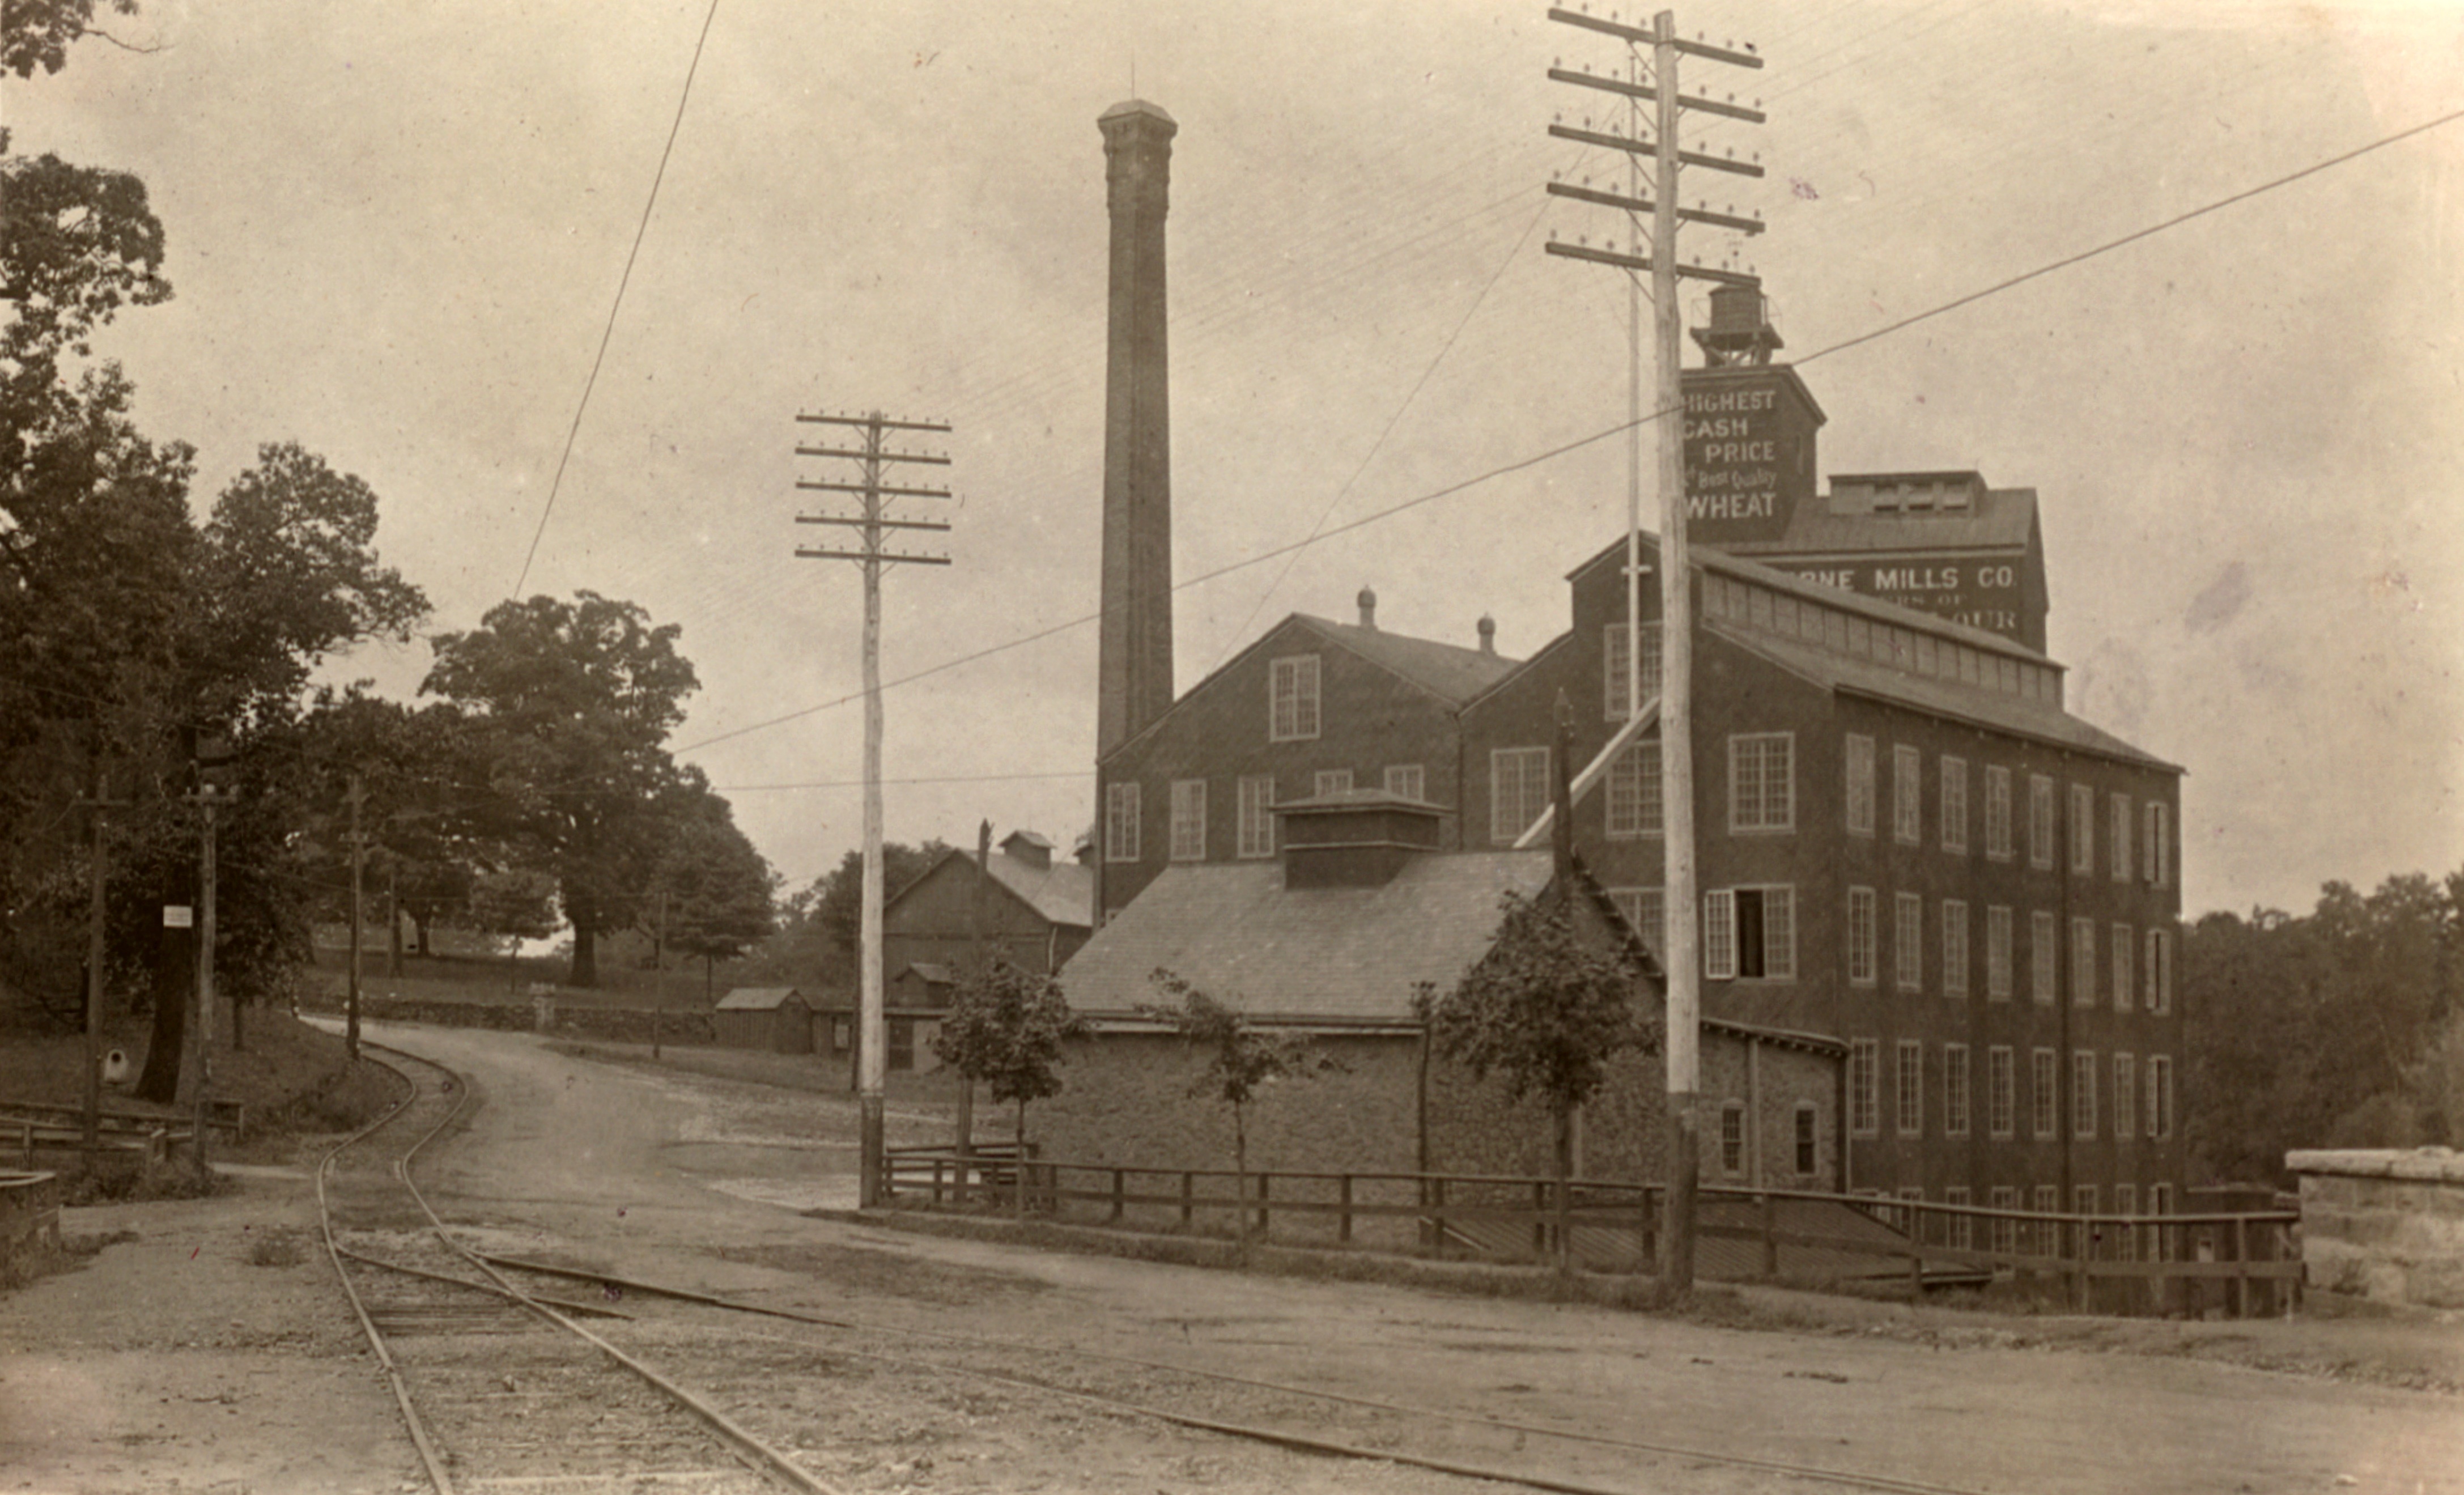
[[1291, 713]]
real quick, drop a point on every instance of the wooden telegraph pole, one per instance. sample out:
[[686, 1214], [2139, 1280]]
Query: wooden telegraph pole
[[97, 952], [354, 797], [1651, 77], [212, 794], [870, 526]]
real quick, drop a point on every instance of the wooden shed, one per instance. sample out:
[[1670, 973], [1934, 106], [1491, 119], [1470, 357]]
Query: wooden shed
[[778, 1018]]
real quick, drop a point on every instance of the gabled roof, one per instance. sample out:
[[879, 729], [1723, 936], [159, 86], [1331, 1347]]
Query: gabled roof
[[1337, 955], [2001, 518], [2039, 720], [758, 998], [1061, 894], [933, 972], [1451, 673]]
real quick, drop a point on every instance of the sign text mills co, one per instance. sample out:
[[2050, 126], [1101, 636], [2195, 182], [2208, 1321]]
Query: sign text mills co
[[1748, 452]]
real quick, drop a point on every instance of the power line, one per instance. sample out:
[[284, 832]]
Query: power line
[[640, 231]]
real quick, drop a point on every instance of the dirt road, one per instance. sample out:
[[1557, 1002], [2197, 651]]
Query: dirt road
[[177, 1358]]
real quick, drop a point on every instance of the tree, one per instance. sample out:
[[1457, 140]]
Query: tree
[[514, 906], [1545, 1009], [721, 893], [1241, 1061], [1005, 1027], [37, 33], [819, 928], [569, 706]]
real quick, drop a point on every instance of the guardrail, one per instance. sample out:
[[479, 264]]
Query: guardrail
[[1613, 1224]]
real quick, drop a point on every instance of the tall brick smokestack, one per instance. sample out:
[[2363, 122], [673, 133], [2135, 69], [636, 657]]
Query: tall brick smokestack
[[1133, 651]]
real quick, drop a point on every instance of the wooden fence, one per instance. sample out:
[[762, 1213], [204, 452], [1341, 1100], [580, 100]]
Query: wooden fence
[[2118, 1262]]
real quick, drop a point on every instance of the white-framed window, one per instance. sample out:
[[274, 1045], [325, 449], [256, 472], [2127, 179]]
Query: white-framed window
[[1907, 942], [1915, 1223], [2005, 1231], [2159, 844], [1291, 700], [1960, 1229], [2083, 829], [2001, 1091], [2119, 833], [1121, 821], [2125, 947], [1954, 947], [2044, 1095], [1997, 813], [2044, 958], [1860, 785], [1762, 781], [2048, 1200], [1954, 1090], [1997, 953], [2040, 820], [1732, 1137], [2084, 1200], [1407, 782], [2160, 1097], [1907, 796], [1612, 669], [1954, 804], [1330, 780], [2125, 1203], [1518, 791], [1865, 1085], [2082, 963], [1189, 820], [2126, 1097], [2160, 970], [1645, 909], [2084, 1093], [1862, 965], [1256, 793], [1633, 803], [1749, 933], [1908, 1078]]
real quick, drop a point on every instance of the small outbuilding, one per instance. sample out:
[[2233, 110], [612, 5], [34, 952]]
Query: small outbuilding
[[777, 1018]]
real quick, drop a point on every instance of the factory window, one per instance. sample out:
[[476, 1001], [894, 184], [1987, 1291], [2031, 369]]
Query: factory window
[[1954, 947], [1749, 933], [1612, 670], [1330, 780], [1908, 813], [1121, 821], [1762, 781], [1518, 791], [1406, 781], [2125, 1202], [2083, 1201], [2084, 1093], [900, 1052], [2040, 820], [2005, 1230], [1961, 1229], [2126, 1097], [2159, 845], [1257, 815], [2124, 947], [2082, 963], [1907, 942], [1860, 785], [1292, 699], [1861, 934], [2044, 1093], [1998, 814], [2119, 833], [2160, 1097], [1909, 1078], [1732, 1137], [2160, 970], [1954, 1090], [2001, 1091], [2083, 829], [1864, 1109], [1189, 820], [1954, 804], [1997, 953], [2044, 959], [2048, 1232], [1808, 1149], [1633, 792], [1646, 911]]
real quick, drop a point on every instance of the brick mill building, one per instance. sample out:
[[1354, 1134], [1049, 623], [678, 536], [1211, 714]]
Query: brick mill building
[[1908, 846]]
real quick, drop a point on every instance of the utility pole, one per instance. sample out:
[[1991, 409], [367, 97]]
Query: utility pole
[[1656, 84], [659, 976], [355, 796], [872, 524], [212, 797], [97, 952]]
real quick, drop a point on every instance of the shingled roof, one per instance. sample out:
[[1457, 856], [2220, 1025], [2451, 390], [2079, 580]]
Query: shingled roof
[[1442, 669]]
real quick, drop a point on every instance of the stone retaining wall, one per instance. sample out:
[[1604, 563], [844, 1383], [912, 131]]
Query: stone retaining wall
[[2384, 1225]]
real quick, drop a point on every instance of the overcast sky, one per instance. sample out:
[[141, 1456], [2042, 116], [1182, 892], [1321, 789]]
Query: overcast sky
[[396, 233]]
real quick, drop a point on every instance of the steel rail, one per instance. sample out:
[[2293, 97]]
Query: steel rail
[[759, 1455], [1891, 1485]]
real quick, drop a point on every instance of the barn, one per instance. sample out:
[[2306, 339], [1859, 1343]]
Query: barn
[[777, 1018]]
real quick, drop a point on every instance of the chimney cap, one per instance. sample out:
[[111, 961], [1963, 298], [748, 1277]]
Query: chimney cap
[[1488, 634], [1368, 600], [1130, 106]]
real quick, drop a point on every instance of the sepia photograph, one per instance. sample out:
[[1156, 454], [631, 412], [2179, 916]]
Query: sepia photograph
[[1438, 745]]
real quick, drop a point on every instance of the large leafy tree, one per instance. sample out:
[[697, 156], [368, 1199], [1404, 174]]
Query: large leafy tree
[[37, 33], [568, 705], [722, 897]]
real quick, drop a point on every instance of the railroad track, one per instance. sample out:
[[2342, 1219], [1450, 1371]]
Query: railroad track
[[501, 1385]]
